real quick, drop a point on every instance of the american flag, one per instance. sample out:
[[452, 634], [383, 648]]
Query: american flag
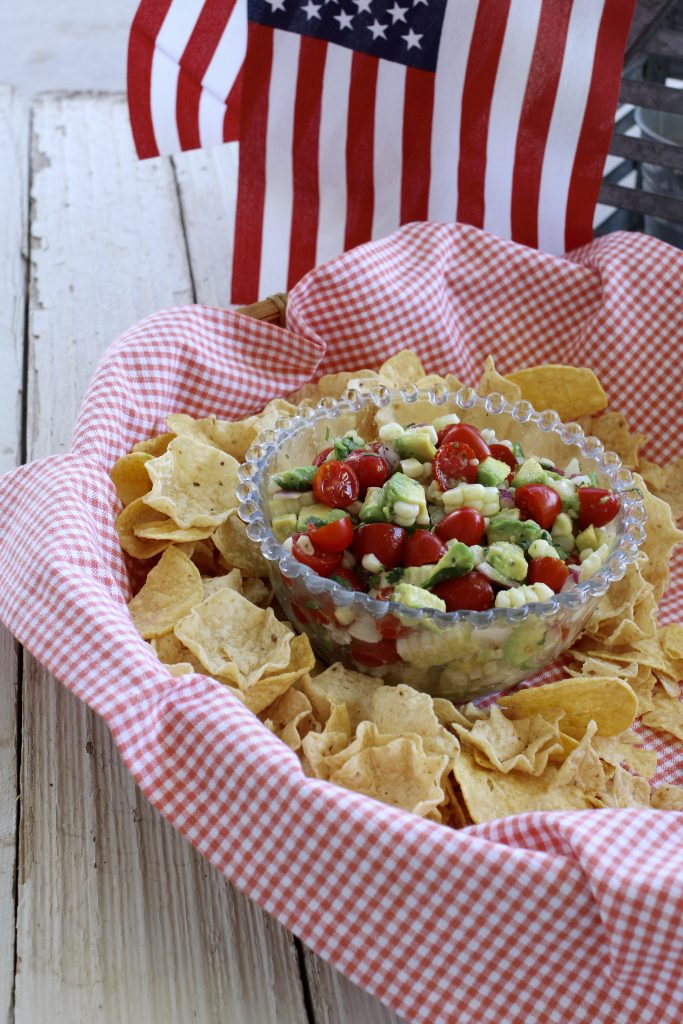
[[356, 116]]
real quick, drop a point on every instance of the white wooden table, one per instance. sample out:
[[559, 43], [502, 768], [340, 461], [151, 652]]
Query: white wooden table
[[107, 914]]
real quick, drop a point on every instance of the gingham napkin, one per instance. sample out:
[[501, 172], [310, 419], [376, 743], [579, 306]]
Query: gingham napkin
[[539, 918]]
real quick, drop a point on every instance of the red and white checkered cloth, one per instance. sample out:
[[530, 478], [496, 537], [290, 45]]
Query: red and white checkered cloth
[[539, 918]]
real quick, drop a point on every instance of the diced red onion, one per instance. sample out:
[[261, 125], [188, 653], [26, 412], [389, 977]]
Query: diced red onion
[[507, 498], [490, 574], [388, 454], [574, 572]]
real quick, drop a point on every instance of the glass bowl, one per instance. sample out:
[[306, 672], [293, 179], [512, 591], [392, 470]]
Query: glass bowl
[[459, 655]]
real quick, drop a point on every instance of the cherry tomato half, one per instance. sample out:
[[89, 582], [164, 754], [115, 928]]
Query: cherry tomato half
[[597, 506], [321, 562], [370, 469], [551, 571], [466, 434], [335, 484], [464, 524], [471, 592], [381, 653], [347, 578], [540, 503], [321, 456], [332, 537], [389, 627], [503, 454], [453, 463], [423, 548], [384, 541]]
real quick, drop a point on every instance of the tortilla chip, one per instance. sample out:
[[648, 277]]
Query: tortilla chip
[[623, 790], [401, 369], [130, 478], [290, 717], [488, 794], [667, 798], [234, 639], [256, 591], [570, 390], [665, 482], [608, 700], [154, 446], [524, 745], [493, 382], [172, 588], [259, 693], [613, 430], [170, 651], [135, 516], [237, 549], [667, 714], [166, 529], [230, 581], [337, 686], [662, 537], [193, 483], [317, 747], [399, 710]]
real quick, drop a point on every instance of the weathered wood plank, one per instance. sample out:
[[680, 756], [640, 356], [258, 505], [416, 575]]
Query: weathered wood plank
[[119, 919], [14, 142], [207, 184], [336, 1000]]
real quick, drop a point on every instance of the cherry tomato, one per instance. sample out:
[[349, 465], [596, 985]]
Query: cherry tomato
[[551, 571], [464, 524], [466, 434], [387, 453], [381, 653], [384, 541], [335, 484], [503, 454], [347, 578], [384, 593], [321, 456], [540, 503], [470, 592], [423, 548], [453, 463], [299, 612], [321, 562], [370, 469], [597, 506], [389, 627], [332, 537]]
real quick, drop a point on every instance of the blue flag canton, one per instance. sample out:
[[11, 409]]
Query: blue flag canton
[[404, 31]]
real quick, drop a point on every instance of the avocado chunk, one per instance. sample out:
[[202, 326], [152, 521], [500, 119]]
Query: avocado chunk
[[492, 472], [318, 515], [343, 446], [588, 538], [416, 597], [300, 479], [530, 472], [372, 509], [524, 644], [418, 574], [400, 487], [284, 526], [504, 526], [507, 559], [416, 443], [457, 561]]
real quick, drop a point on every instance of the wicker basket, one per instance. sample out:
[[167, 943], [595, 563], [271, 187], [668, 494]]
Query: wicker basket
[[271, 309]]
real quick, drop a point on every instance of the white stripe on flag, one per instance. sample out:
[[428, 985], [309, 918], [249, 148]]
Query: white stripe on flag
[[565, 125], [334, 111], [211, 117], [388, 147], [171, 41], [277, 208], [228, 56], [456, 37], [506, 110]]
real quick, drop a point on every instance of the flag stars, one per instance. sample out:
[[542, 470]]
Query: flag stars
[[397, 13], [276, 5], [378, 30], [364, 6], [311, 10], [413, 39], [345, 20]]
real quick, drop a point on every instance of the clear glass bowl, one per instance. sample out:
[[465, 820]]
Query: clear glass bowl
[[459, 655]]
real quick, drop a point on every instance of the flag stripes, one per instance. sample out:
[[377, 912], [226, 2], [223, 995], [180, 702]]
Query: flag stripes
[[338, 145]]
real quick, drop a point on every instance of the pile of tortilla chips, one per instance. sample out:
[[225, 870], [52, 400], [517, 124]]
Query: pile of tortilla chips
[[205, 606]]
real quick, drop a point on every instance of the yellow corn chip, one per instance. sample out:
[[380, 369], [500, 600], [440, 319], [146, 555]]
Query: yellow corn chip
[[524, 745], [665, 482], [290, 717], [570, 390], [193, 484], [493, 382], [170, 651], [166, 529], [318, 746], [401, 369], [230, 581], [171, 590], [154, 446], [667, 798], [130, 478], [237, 550], [259, 693], [613, 430], [662, 537], [337, 686], [134, 517], [400, 710], [609, 701], [667, 714], [623, 790]]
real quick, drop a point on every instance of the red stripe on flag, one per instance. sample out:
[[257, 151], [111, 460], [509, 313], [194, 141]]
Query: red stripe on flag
[[233, 106], [360, 192], [201, 46], [306, 135], [598, 121], [251, 183], [147, 22], [534, 122], [477, 93], [418, 108]]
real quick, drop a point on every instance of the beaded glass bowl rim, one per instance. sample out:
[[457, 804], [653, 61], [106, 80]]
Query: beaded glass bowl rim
[[252, 510]]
